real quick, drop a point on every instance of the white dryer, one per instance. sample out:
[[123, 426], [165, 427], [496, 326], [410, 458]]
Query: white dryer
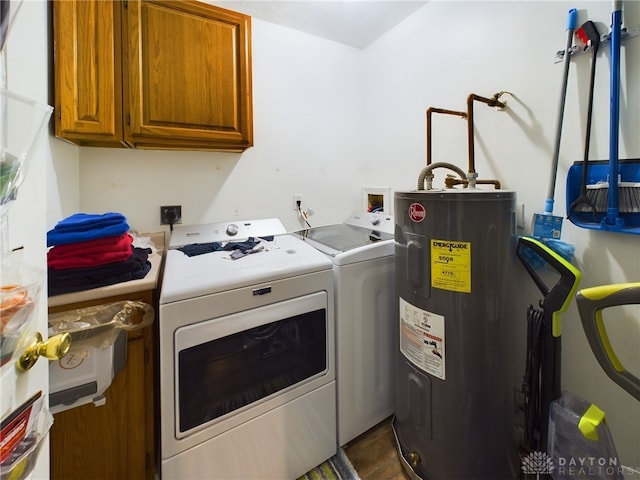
[[247, 361], [362, 251]]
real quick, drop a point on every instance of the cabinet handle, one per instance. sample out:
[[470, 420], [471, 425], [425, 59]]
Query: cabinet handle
[[54, 348]]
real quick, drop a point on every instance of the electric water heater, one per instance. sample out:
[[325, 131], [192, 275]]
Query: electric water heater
[[454, 257]]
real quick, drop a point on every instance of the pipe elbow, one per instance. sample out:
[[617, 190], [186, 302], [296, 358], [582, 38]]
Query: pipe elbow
[[426, 173]]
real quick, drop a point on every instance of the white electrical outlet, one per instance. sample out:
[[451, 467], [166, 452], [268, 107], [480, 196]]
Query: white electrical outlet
[[297, 197]]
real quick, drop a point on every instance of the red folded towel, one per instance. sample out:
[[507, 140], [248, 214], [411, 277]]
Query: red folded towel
[[91, 253]]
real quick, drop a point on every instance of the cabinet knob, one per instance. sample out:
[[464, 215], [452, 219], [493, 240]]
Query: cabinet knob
[[53, 348]]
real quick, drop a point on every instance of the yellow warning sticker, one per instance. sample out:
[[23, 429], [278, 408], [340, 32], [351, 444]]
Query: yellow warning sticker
[[451, 265]]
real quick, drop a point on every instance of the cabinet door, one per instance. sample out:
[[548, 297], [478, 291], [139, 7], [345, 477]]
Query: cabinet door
[[88, 72], [188, 78], [106, 442], [116, 440]]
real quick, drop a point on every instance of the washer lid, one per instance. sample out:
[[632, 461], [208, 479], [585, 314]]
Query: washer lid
[[358, 230], [335, 239]]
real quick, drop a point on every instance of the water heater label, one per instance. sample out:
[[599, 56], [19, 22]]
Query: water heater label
[[422, 338], [451, 265]]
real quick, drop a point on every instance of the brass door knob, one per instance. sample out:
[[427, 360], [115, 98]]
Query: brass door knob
[[414, 459], [54, 348]]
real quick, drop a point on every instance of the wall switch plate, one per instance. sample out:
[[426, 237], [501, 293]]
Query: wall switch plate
[[297, 197]]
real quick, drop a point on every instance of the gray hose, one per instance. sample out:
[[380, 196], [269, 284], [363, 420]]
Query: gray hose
[[427, 170]]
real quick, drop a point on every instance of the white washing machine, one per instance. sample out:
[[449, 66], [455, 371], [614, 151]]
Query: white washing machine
[[362, 251]]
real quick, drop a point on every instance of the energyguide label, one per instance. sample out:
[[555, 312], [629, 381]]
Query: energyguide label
[[451, 265]]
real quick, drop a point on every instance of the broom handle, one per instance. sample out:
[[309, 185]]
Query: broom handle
[[571, 25], [594, 40], [614, 119]]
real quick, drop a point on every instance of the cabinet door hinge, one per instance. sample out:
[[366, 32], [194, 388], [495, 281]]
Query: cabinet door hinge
[[59, 112]]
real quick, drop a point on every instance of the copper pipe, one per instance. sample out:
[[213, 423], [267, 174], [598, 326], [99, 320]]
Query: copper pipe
[[430, 111], [450, 182], [492, 102]]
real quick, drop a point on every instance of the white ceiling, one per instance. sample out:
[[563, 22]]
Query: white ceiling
[[352, 22]]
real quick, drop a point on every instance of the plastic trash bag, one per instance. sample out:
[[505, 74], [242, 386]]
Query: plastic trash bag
[[99, 325]]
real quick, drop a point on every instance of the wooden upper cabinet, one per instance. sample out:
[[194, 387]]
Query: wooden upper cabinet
[[188, 73], [88, 72], [179, 77]]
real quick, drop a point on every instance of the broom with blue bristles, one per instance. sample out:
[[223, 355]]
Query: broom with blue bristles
[[547, 227]]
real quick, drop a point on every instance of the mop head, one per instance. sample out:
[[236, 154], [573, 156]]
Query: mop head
[[565, 250]]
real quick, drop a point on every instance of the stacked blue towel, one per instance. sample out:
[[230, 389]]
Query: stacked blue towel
[[82, 227]]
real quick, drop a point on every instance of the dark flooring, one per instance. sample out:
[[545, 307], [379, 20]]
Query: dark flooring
[[374, 455]]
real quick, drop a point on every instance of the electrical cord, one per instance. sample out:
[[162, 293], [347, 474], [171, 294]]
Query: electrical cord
[[171, 218], [301, 213], [531, 380]]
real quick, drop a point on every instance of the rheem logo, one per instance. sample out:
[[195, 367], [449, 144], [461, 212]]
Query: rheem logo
[[417, 213]]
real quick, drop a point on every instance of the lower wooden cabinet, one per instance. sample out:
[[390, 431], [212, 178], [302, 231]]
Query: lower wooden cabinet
[[115, 440]]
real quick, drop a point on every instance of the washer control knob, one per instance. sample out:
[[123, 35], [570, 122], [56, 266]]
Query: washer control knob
[[375, 221], [232, 229]]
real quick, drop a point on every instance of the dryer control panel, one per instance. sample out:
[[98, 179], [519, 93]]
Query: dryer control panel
[[225, 232]]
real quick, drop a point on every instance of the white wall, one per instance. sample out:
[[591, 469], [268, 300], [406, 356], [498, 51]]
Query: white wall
[[446, 51], [308, 130], [330, 119]]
